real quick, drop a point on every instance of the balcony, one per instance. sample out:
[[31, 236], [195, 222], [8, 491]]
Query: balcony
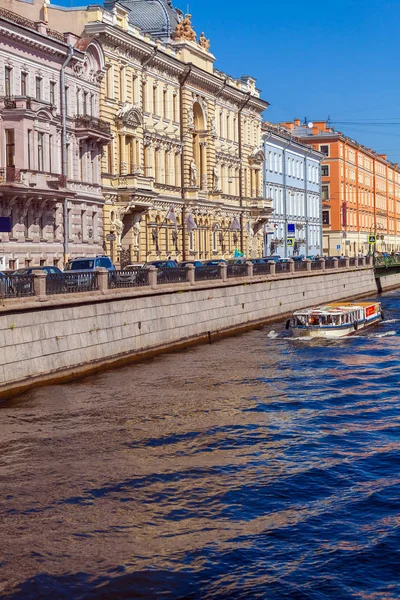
[[87, 127], [10, 175]]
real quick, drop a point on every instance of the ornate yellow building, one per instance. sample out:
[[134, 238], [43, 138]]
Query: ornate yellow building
[[182, 176]]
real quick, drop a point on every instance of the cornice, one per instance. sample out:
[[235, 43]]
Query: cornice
[[32, 39]]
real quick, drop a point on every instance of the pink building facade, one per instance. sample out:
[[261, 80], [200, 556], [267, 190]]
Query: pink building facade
[[50, 144]]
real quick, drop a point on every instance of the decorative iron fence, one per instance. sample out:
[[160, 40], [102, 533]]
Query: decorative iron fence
[[71, 283], [315, 265], [171, 275], [329, 264], [261, 268], [353, 262], [207, 272], [16, 286], [342, 262], [300, 265], [134, 277], [237, 271], [282, 267]]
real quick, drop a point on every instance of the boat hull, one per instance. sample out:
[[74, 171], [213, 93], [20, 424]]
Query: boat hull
[[335, 332]]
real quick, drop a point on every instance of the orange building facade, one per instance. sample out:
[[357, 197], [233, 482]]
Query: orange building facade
[[360, 192]]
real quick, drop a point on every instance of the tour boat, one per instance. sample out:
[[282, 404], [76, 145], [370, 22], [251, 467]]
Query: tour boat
[[335, 320]]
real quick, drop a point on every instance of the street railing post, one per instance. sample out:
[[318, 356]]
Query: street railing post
[[39, 283], [308, 264], [335, 263], [291, 265], [371, 261], [249, 266], [322, 264], [223, 271], [102, 279], [347, 262], [272, 267], [363, 262], [190, 273], [152, 271]]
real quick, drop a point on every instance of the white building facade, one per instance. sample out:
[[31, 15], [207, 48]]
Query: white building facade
[[292, 180]]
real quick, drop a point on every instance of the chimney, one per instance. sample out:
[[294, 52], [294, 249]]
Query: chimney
[[297, 122]]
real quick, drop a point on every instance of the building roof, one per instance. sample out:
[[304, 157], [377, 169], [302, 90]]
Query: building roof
[[155, 17]]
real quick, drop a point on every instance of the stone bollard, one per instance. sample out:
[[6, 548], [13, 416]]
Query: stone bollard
[[39, 283], [371, 261], [190, 274], [308, 264], [249, 266], [102, 279], [223, 271], [272, 267], [347, 262], [291, 265], [335, 263], [152, 280], [322, 264], [362, 261]]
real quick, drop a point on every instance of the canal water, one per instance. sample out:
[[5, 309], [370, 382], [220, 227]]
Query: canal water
[[255, 467]]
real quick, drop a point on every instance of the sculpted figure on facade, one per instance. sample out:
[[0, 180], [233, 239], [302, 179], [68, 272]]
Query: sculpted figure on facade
[[204, 42], [190, 119], [136, 231], [216, 178], [184, 30], [119, 224], [193, 173]]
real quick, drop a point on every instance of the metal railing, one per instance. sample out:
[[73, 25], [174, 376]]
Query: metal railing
[[342, 262], [207, 272], [71, 283], [300, 265], [89, 122], [353, 262], [171, 275], [315, 265], [237, 270], [282, 267], [16, 286], [261, 268], [134, 277], [329, 264]]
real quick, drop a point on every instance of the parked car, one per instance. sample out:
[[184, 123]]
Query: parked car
[[29, 270], [268, 258], [195, 263], [215, 262], [20, 285], [163, 264], [132, 274], [80, 271]]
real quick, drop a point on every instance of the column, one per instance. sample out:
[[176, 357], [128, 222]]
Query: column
[[122, 155]]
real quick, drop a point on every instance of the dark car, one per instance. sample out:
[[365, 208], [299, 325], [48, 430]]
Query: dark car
[[163, 264], [29, 270], [21, 284], [195, 263], [215, 262]]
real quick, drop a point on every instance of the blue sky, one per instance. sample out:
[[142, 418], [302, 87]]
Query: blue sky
[[313, 59]]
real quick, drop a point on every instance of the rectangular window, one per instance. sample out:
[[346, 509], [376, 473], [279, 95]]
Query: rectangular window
[[144, 96], [326, 217], [78, 93], [24, 79], [85, 103], [10, 148], [40, 152], [7, 81], [155, 107], [165, 107], [52, 93], [92, 104], [38, 88], [324, 150], [325, 170], [325, 192]]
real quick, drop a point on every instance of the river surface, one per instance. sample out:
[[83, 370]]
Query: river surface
[[255, 467]]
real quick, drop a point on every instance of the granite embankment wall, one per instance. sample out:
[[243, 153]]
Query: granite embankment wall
[[388, 281], [57, 338]]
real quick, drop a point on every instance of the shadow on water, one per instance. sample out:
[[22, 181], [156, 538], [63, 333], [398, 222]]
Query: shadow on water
[[254, 467]]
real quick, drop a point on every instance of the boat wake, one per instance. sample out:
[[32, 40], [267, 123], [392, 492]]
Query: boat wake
[[386, 334]]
